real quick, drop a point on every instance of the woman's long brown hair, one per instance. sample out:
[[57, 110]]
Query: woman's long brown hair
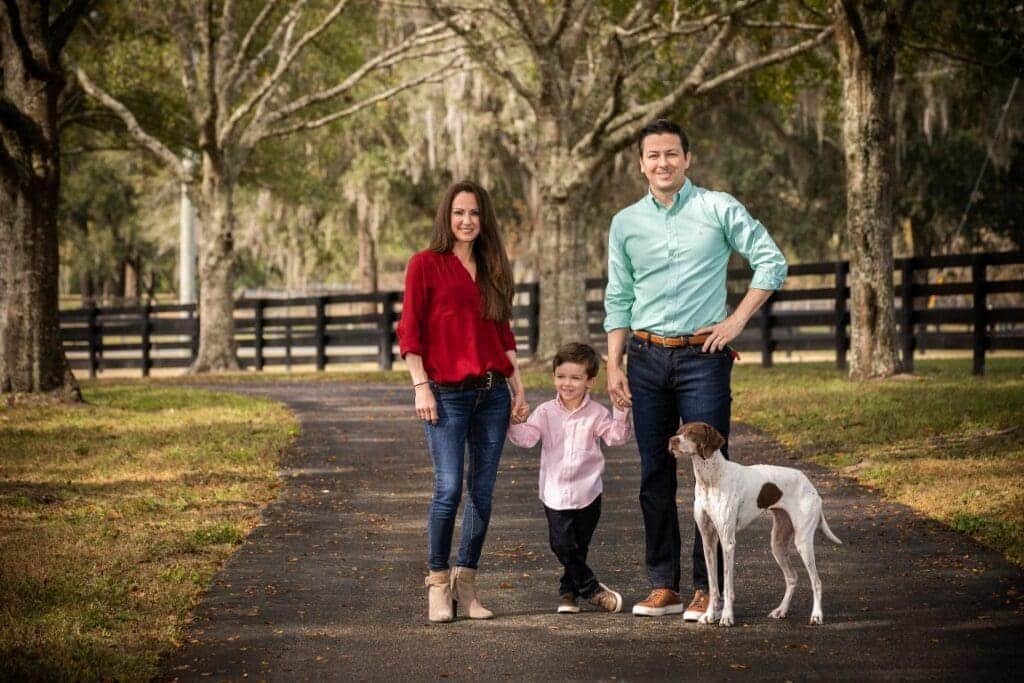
[[494, 273]]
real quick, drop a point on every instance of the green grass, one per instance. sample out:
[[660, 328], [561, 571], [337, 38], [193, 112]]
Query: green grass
[[113, 517]]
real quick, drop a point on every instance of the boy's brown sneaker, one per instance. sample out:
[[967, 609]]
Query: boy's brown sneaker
[[661, 601], [606, 599], [568, 605]]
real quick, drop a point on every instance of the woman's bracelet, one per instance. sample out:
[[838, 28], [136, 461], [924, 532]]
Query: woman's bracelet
[[420, 384]]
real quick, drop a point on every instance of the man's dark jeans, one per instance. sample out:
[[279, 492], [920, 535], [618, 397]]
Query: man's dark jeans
[[569, 532], [669, 385]]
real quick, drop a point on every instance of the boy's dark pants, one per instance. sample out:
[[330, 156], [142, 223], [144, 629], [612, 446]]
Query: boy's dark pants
[[570, 532]]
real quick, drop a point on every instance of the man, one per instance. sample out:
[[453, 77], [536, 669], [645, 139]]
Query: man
[[667, 261]]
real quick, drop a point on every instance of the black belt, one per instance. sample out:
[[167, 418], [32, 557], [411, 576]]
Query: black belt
[[482, 383]]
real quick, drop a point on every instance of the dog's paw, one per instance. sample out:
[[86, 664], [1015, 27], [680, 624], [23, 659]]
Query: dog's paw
[[817, 619], [726, 620], [708, 617], [777, 613]]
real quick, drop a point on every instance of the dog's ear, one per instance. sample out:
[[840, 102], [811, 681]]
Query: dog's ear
[[704, 436], [715, 440]]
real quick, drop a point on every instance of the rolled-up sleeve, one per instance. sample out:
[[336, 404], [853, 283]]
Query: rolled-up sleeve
[[507, 336], [619, 294], [614, 428], [414, 302], [750, 238]]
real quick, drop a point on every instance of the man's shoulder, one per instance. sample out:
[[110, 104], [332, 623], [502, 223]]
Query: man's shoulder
[[631, 214], [715, 198], [716, 204]]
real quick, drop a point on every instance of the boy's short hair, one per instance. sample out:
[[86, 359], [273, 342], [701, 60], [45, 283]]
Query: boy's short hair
[[574, 352]]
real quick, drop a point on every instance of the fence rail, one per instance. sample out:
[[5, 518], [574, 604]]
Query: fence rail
[[975, 303]]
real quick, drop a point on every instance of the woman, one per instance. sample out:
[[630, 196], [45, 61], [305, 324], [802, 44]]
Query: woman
[[458, 344]]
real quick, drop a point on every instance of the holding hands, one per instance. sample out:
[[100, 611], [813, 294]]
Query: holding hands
[[618, 388]]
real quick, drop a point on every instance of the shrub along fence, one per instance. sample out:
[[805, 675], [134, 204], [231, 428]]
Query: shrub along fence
[[966, 301]]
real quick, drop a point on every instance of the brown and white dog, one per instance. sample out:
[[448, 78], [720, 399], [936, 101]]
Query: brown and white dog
[[729, 496]]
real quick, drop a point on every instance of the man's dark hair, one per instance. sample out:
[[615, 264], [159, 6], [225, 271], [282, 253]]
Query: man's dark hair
[[574, 352], [659, 127]]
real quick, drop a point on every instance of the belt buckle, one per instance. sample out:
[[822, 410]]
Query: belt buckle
[[488, 381]]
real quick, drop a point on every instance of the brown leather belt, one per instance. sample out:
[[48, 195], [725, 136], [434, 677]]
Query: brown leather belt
[[671, 342]]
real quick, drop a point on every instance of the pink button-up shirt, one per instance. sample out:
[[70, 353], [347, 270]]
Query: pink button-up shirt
[[571, 461]]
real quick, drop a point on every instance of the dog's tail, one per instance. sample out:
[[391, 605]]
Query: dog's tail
[[828, 532]]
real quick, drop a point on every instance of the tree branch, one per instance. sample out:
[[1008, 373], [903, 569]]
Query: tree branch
[[28, 131], [766, 60], [783, 25], [432, 77], [485, 54], [628, 124], [561, 23], [250, 35], [856, 23], [64, 24], [32, 65], [394, 56], [131, 123], [180, 27], [12, 168], [283, 29]]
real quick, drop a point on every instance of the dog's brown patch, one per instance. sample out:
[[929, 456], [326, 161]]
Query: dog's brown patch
[[768, 496], [704, 436]]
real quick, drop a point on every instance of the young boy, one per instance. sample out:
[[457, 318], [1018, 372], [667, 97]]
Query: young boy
[[571, 464]]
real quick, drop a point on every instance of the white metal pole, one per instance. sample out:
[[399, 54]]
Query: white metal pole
[[187, 243]]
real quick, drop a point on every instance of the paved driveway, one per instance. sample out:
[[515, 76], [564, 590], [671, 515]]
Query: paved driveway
[[330, 586]]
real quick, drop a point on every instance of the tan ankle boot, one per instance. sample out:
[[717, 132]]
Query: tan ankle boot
[[464, 591], [439, 596]]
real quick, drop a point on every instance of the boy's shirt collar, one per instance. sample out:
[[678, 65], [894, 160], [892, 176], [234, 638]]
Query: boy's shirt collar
[[583, 404]]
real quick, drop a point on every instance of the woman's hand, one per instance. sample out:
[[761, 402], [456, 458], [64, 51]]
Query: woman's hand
[[426, 404]]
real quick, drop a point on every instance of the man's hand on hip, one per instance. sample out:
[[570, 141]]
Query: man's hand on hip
[[721, 334]]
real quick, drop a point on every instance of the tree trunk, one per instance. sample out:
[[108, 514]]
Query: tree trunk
[[367, 220], [868, 77], [132, 285], [215, 208], [31, 354], [562, 271], [561, 256]]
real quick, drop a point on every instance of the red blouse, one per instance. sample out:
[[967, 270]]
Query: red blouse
[[442, 321]]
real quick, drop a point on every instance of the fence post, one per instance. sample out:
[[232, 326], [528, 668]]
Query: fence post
[[93, 335], [195, 331], [766, 334], [321, 333], [258, 333], [386, 325], [146, 361], [980, 312], [842, 269], [907, 319], [533, 323]]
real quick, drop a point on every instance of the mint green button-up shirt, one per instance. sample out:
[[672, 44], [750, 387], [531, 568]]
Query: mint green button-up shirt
[[667, 266]]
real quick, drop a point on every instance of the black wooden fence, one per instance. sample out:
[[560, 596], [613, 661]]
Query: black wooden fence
[[968, 301]]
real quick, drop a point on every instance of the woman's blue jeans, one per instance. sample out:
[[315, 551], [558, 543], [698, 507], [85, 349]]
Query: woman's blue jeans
[[473, 422], [670, 385]]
